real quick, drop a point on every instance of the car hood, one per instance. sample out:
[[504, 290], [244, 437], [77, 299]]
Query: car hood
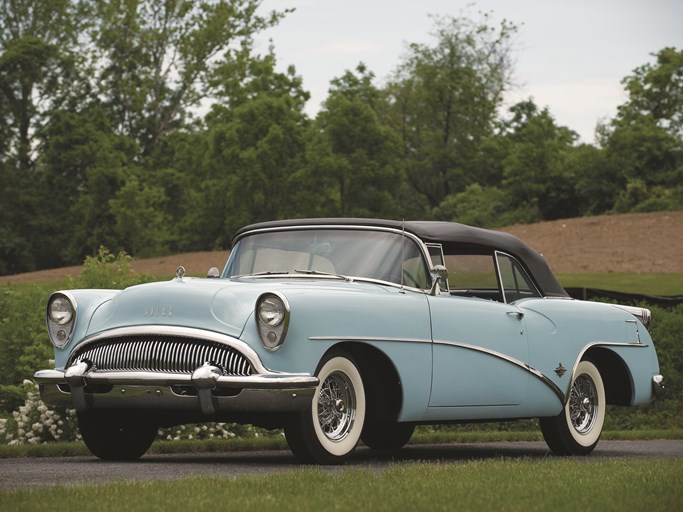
[[210, 304], [214, 304]]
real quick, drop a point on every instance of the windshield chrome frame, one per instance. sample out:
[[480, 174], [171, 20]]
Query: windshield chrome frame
[[337, 227]]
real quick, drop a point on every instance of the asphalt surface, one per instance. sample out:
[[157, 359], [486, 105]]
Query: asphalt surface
[[34, 472]]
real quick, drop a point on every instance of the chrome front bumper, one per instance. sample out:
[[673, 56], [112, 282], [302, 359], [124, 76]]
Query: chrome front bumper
[[206, 389]]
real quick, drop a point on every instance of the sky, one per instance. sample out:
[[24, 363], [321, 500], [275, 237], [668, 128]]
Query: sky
[[569, 56]]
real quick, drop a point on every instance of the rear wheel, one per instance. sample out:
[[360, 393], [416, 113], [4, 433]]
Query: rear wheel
[[329, 430], [576, 430], [116, 435]]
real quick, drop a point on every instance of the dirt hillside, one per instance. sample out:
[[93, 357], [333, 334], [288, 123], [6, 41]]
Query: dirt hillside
[[638, 242]]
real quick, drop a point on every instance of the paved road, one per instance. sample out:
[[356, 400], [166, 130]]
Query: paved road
[[32, 472]]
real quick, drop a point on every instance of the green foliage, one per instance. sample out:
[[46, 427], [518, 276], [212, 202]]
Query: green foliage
[[475, 206], [108, 271], [655, 91], [650, 283], [139, 217], [156, 128], [443, 100], [34, 423], [353, 159], [23, 335]]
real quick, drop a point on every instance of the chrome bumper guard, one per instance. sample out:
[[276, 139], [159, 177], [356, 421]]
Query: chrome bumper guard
[[658, 386], [83, 387]]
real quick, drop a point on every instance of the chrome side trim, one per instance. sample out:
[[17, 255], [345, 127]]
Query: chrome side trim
[[600, 344], [368, 338], [188, 332], [642, 314], [516, 362], [563, 396]]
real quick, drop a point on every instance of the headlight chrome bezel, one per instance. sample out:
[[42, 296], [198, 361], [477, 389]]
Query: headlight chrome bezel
[[60, 328], [272, 319]]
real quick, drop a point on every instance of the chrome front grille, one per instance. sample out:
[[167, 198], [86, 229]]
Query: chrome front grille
[[157, 353]]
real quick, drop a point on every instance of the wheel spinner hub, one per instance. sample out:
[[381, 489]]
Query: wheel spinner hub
[[583, 406], [336, 408]]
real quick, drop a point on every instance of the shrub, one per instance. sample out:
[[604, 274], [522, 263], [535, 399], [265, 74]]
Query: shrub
[[35, 423], [108, 271]]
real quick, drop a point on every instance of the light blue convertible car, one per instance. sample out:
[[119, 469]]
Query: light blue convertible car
[[342, 330]]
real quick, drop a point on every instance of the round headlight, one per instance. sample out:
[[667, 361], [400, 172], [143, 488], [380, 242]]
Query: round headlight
[[61, 311], [271, 311], [272, 319]]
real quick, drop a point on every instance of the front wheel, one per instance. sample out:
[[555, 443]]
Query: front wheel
[[328, 431], [116, 435], [576, 430]]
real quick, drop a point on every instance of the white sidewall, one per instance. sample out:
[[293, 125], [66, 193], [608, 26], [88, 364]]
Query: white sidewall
[[348, 443], [591, 437]]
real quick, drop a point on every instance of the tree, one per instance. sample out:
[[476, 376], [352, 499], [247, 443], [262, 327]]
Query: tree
[[159, 59], [83, 166], [38, 40], [255, 141], [656, 91], [139, 218], [444, 101], [354, 164], [536, 175], [645, 140]]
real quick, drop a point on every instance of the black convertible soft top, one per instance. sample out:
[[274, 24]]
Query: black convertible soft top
[[447, 233]]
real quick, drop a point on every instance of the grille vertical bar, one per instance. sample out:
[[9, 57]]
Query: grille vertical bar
[[169, 354]]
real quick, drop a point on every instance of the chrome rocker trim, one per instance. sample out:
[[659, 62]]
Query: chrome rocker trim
[[262, 392]]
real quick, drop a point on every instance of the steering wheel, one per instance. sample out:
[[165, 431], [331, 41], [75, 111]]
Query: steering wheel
[[407, 276]]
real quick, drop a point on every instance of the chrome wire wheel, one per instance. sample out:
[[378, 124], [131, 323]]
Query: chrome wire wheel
[[328, 431], [584, 406], [336, 406], [576, 430]]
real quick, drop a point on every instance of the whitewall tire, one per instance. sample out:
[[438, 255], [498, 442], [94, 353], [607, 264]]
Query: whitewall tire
[[576, 430], [328, 431]]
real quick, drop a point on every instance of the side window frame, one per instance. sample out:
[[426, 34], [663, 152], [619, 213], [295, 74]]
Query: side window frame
[[436, 257], [517, 271]]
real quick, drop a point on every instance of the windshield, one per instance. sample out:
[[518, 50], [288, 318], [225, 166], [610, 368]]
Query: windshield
[[353, 253]]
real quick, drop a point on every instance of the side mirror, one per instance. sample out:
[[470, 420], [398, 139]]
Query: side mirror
[[213, 273], [439, 280]]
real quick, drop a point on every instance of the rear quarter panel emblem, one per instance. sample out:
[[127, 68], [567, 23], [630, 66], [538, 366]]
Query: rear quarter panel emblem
[[560, 370]]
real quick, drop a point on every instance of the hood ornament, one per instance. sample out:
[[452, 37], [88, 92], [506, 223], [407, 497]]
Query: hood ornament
[[560, 370], [180, 272]]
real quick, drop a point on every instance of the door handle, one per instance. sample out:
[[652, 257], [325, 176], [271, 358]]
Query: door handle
[[518, 314]]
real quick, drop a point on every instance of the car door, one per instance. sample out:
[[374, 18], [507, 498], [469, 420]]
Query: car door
[[479, 339]]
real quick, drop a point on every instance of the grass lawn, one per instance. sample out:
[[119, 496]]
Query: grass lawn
[[646, 284], [505, 484]]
